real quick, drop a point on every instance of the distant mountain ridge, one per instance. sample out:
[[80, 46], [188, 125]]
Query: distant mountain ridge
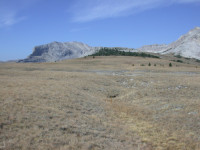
[[56, 51], [187, 45]]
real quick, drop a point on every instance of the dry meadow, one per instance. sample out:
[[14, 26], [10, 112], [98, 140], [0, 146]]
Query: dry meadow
[[110, 103]]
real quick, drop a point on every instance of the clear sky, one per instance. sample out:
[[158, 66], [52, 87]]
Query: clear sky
[[124, 23]]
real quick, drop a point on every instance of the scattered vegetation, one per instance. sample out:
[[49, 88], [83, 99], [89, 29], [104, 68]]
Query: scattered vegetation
[[170, 64], [187, 58], [180, 61], [116, 52], [149, 64], [178, 56], [197, 60]]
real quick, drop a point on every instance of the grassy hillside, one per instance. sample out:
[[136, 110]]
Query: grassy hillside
[[111, 103]]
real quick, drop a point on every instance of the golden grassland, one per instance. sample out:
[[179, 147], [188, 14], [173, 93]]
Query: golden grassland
[[101, 103]]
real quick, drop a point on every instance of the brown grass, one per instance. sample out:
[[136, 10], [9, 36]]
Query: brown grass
[[101, 103]]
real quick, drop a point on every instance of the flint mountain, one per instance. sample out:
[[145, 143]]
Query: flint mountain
[[187, 45]]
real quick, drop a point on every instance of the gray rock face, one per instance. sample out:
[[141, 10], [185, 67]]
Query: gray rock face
[[156, 48], [56, 51], [187, 45]]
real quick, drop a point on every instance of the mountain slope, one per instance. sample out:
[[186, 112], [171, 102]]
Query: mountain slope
[[56, 51], [187, 45], [156, 48]]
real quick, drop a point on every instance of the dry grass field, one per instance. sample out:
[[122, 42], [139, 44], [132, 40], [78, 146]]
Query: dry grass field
[[110, 103]]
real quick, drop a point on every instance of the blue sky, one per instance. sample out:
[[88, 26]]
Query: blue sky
[[125, 23]]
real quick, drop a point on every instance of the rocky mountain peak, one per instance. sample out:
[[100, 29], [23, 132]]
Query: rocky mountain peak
[[187, 45], [56, 51], [196, 29], [192, 34]]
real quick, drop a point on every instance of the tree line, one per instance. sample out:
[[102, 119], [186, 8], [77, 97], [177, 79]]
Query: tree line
[[116, 52]]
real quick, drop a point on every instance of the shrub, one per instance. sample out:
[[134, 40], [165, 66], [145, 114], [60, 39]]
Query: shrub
[[197, 60], [187, 58], [170, 64], [178, 56], [180, 61], [149, 64]]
